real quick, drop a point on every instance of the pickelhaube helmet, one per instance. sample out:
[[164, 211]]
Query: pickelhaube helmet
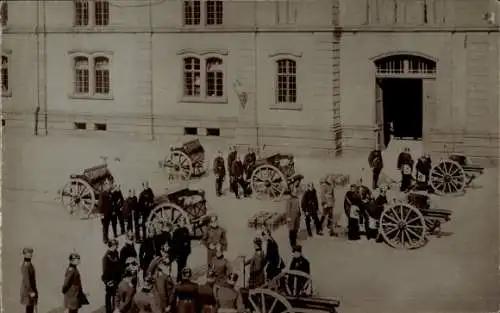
[[74, 256]]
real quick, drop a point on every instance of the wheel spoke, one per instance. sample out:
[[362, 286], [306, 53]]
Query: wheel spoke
[[395, 215], [412, 232], [402, 238], [391, 218], [391, 231], [413, 220], [271, 309]]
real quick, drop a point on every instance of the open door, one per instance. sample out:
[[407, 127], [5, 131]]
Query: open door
[[429, 102], [379, 114]]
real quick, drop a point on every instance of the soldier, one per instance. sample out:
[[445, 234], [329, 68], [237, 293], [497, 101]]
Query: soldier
[[145, 204], [423, 169], [220, 173], [74, 297], [124, 300], [327, 196], [351, 198], [144, 300], [299, 263], [214, 235], [129, 212], [128, 249], [147, 251], [220, 265], [181, 247], [29, 291], [207, 294], [162, 236], [310, 207], [106, 210], [132, 265], [249, 163], [163, 257], [274, 263], [231, 157], [111, 274], [185, 298], [405, 165], [293, 217], [163, 285], [229, 299], [238, 171], [376, 163], [257, 276], [117, 202]]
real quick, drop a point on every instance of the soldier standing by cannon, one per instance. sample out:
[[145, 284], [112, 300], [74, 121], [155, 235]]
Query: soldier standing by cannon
[[229, 299], [327, 197], [181, 246], [74, 297], [111, 274], [310, 207], [29, 290], [231, 157], [185, 298], [145, 205], [257, 275], [220, 173], [376, 163], [405, 165], [129, 212], [214, 235], [147, 251], [238, 173], [423, 169], [249, 163], [274, 263], [106, 210], [293, 217], [117, 202]]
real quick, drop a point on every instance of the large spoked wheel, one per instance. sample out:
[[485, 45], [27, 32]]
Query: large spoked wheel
[[297, 284], [267, 301], [268, 183], [448, 178], [403, 226], [179, 165], [78, 198], [200, 166], [167, 213]]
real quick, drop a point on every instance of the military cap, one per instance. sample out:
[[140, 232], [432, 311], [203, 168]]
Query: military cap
[[27, 250], [297, 248], [112, 243], [233, 277], [74, 256], [186, 272]]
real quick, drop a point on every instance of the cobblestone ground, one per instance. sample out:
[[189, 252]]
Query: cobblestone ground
[[451, 274]]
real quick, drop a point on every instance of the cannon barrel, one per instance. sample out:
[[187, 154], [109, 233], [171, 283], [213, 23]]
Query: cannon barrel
[[437, 213], [314, 303], [473, 168]]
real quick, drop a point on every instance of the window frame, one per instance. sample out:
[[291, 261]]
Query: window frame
[[4, 8], [287, 105], [8, 92], [92, 14], [203, 19], [92, 93], [203, 97], [77, 15]]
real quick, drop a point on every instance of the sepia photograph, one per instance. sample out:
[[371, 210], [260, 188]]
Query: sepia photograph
[[250, 156]]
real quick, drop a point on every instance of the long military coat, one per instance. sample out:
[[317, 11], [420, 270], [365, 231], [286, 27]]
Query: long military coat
[[28, 284]]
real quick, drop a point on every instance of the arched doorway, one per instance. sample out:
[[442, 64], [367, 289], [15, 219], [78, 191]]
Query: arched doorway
[[404, 88]]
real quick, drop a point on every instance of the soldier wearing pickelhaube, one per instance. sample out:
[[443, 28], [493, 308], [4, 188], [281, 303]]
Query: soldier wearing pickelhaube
[[207, 294], [112, 270], [74, 297], [185, 298], [29, 291]]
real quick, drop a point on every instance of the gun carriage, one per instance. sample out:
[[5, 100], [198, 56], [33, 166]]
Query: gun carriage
[[181, 203], [186, 161], [453, 174], [273, 176], [289, 292], [80, 194]]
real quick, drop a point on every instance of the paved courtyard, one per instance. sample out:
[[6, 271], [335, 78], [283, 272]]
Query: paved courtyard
[[455, 273]]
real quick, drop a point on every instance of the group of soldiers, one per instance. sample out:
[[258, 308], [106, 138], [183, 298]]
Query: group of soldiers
[[240, 171]]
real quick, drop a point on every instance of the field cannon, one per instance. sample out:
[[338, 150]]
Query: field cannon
[[273, 176], [186, 161]]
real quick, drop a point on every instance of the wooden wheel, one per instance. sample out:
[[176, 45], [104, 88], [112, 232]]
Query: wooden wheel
[[167, 213], [78, 198], [196, 207], [200, 167], [179, 165], [403, 226], [267, 301], [297, 283], [268, 183], [448, 177]]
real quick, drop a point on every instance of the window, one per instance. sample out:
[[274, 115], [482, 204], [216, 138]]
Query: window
[[4, 13], [5, 75], [81, 12], [192, 12], [214, 11], [405, 66], [100, 127], [207, 83], [101, 12], [81, 81], [80, 125], [101, 68], [193, 131], [215, 78], [286, 83], [213, 132]]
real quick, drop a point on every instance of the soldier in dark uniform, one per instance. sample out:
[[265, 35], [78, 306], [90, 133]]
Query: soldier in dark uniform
[[144, 301], [214, 235], [128, 250], [310, 206], [147, 251], [106, 210], [74, 297], [220, 173], [229, 299], [293, 217], [238, 172], [378, 207], [423, 169], [274, 263], [352, 201], [29, 291], [405, 165], [249, 163], [185, 298], [163, 285], [145, 205], [124, 300], [376, 164], [129, 212], [181, 240], [231, 157], [207, 294], [162, 237], [111, 274], [117, 202], [299, 263], [221, 266], [257, 275]]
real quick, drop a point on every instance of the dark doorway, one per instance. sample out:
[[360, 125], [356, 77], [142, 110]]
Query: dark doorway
[[402, 106]]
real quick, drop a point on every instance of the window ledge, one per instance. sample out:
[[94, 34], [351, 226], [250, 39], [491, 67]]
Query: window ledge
[[221, 100], [91, 97], [7, 94], [286, 106]]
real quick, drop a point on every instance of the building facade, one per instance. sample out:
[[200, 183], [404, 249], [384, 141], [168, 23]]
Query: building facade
[[315, 75]]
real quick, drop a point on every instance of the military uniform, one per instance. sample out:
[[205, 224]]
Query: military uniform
[[229, 300], [301, 264], [129, 213], [126, 252], [376, 163], [117, 202], [213, 237], [405, 165], [74, 298], [238, 171], [327, 198], [125, 295], [257, 276], [163, 287], [221, 268], [185, 298], [111, 276], [310, 206], [146, 254], [220, 174], [144, 206], [106, 210], [181, 246], [249, 164], [29, 291]]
